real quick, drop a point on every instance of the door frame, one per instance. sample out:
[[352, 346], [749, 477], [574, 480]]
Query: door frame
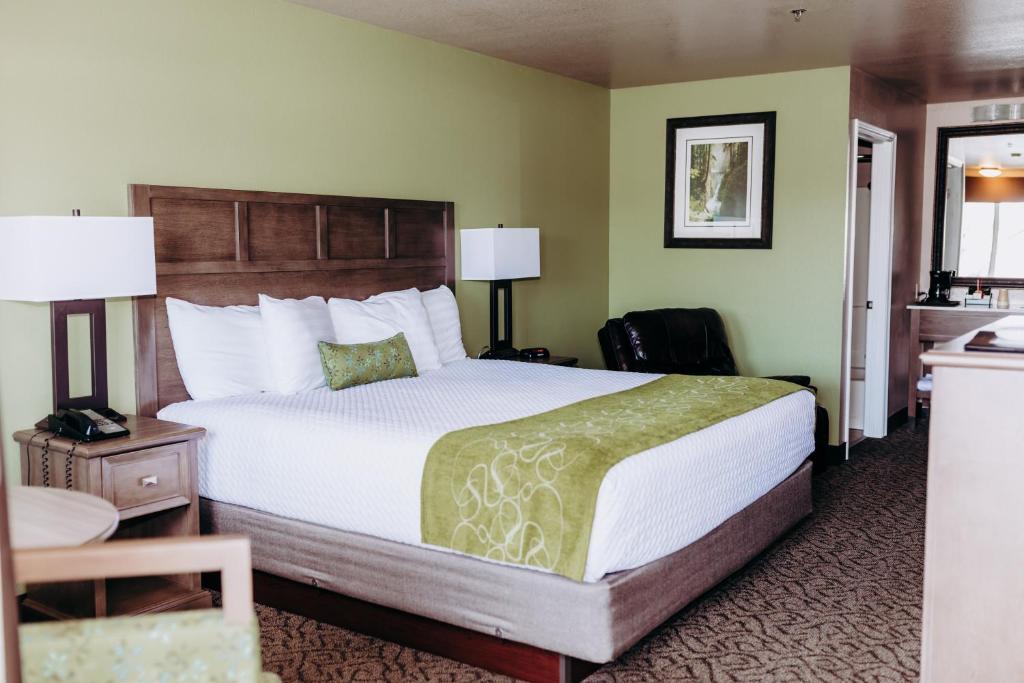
[[876, 371]]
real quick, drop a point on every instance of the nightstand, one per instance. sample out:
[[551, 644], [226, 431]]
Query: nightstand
[[150, 476], [567, 361]]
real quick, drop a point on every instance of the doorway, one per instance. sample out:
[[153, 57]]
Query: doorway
[[868, 283]]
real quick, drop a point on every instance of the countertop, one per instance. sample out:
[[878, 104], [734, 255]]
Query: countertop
[[952, 353], [965, 309]]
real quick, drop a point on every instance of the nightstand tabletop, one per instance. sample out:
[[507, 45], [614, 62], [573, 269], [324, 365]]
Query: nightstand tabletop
[[146, 432], [567, 361], [56, 518]]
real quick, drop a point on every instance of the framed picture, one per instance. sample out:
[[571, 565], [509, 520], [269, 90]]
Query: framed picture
[[719, 179]]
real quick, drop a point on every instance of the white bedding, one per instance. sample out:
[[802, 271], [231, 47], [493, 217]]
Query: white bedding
[[353, 459]]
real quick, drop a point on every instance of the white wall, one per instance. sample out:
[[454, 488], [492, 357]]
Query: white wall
[[940, 115]]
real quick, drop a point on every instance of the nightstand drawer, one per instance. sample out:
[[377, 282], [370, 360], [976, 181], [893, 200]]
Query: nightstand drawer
[[147, 481]]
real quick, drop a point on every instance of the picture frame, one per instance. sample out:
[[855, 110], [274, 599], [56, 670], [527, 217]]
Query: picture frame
[[719, 181]]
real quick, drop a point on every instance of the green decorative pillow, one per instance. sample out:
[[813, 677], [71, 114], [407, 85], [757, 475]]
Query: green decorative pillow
[[349, 365]]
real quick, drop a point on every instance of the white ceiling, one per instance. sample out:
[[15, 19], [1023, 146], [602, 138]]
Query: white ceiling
[[989, 150], [942, 50]]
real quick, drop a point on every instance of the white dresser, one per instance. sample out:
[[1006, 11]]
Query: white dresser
[[973, 628], [931, 325]]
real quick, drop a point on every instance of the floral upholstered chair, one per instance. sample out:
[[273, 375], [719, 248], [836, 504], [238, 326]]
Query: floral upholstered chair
[[200, 646]]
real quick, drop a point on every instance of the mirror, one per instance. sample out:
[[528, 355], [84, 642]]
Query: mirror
[[979, 204]]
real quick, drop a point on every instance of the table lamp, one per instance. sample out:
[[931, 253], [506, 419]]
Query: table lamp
[[75, 263], [500, 255]]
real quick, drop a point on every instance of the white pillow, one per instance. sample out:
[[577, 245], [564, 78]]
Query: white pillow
[[383, 316], [220, 350], [292, 329], [443, 313]]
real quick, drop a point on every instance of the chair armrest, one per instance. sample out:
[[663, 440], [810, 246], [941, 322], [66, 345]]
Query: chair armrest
[[802, 380], [228, 555], [615, 347]]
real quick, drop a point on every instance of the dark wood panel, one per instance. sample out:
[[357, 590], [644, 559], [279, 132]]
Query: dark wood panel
[[212, 267], [190, 230], [417, 232], [223, 289], [937, 326], [882, 104], [355, 233], [282, 232], [139, 193]]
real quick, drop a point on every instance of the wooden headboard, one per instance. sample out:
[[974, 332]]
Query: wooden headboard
[[222, 247]]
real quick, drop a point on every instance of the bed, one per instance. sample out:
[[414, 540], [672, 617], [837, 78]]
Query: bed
[[335, 529]]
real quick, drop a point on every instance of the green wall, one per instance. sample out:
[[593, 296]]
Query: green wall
[[265, 94], [783, 306]]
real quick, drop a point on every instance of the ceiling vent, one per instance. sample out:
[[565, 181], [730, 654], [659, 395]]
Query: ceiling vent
[[998, 112]]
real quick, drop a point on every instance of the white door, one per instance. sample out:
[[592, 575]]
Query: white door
[[877, 305], [859, 289]]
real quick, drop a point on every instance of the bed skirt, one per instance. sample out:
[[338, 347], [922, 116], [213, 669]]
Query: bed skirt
[[595, 622]]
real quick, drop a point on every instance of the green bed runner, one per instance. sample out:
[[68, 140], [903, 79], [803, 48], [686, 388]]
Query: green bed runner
[[525, 491]]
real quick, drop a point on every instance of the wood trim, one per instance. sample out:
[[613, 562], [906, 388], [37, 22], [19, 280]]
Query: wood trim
[[228, 555], [241, 231], [144, 316], [323, 243], [493, 653], [219, 267], [389, 236], [449, 245], [141, 193], [187, 219]]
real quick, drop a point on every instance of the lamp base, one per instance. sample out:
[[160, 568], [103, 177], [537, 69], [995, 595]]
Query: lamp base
[[503, 353], [59, 313]]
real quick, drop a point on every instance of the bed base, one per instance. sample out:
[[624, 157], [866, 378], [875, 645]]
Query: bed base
[[518, 660], [533, 626]]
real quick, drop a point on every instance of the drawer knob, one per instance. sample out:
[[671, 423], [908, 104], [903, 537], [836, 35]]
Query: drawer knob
[[151, 480]]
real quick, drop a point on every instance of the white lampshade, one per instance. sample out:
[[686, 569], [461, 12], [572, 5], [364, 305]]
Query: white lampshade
[[61, 258], [500, 253]]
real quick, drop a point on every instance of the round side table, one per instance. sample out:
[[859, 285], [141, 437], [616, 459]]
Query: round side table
[[52, 518]]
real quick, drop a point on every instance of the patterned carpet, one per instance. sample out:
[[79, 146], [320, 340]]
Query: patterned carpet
[[838, 599]]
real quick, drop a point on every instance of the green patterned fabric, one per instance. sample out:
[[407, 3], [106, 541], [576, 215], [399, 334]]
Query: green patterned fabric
[[349, 365], [525, 491], [173, 647]]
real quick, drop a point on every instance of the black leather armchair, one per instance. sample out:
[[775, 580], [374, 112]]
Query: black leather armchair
[[683, 341]]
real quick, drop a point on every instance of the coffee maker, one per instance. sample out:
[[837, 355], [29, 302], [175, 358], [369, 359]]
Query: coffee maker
[[939, 285]]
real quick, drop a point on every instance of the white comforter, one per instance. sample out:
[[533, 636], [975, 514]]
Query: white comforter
[[353, 459]]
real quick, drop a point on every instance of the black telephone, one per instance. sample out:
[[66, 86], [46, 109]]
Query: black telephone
[[86, 425]]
